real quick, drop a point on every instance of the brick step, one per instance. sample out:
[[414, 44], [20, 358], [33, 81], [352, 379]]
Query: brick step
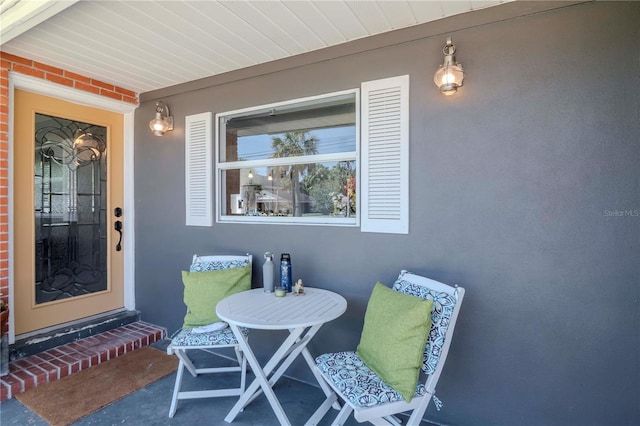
[[61, 336], [55, 363]]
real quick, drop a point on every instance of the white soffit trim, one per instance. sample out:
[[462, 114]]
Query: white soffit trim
[[44, 87], [19, 16]]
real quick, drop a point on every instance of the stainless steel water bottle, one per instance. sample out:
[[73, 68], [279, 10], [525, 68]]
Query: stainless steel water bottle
[[285, 272], [267, 272]]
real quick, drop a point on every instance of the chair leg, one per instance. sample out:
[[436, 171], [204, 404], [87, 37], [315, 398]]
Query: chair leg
[[393, 420], [418, 412], [243, 373], [238, 353], [381, 421], [242, 363], [320, 378], [184, 358], [322, 410], [176, 389], [343, 415], [186, 363]]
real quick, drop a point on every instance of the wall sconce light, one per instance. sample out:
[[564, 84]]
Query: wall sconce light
[[163, 122], [450, 74]]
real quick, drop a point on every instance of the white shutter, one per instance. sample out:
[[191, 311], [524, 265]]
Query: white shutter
[[385, 156], [198, 163]]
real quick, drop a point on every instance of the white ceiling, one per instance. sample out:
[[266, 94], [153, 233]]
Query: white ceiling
[[148, 45]]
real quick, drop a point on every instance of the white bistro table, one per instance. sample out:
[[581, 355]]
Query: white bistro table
[[302, 315]]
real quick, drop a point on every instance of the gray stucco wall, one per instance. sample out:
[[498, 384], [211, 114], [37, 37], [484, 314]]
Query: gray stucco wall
[[516, 187]]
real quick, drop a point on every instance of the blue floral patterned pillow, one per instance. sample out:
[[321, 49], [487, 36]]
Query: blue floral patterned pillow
[[443, 305], [217, 265]]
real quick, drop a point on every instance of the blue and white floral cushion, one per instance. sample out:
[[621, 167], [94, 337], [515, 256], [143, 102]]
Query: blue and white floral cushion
[[188, 338], [357, 382], [217, 265], [443, 305]]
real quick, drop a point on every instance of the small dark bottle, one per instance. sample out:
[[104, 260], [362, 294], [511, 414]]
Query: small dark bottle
[[285, 272]]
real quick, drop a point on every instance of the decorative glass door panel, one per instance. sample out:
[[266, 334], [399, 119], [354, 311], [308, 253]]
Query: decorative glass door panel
[[68, 184], [70, 208]]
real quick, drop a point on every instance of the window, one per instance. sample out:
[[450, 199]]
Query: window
[[291, 162], [300, 161]]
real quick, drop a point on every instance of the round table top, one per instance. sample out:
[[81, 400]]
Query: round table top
[[260, 310]]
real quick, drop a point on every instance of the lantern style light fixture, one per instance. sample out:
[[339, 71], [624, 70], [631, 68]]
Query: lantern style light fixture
[[163, 122], [450, 74]]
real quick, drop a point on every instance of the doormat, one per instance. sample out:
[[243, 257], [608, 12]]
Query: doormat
[[67, 400]]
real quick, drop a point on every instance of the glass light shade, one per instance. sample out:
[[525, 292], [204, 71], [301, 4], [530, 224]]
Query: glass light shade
[[450, 74], [448, 78], [158, 125], [163, 121]]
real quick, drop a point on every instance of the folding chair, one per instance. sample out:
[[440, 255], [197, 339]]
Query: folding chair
[[363, 391], [187, 340]]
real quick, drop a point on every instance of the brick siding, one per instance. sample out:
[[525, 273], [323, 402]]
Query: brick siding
[[55, 75]]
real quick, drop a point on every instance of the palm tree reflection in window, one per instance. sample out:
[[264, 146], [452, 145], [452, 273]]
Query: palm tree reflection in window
[[294, 144], [330, 188]]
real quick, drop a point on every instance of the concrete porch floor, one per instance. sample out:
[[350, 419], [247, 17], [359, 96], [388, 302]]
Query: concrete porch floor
[[150, 405]]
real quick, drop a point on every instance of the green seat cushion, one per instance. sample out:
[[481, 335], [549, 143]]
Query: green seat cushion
[[203, 291], [396, 327]]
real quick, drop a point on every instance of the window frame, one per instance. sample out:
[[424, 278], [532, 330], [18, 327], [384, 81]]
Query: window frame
[[221, 167]]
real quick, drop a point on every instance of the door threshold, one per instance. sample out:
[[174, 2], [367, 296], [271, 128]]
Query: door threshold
[[41, 340]]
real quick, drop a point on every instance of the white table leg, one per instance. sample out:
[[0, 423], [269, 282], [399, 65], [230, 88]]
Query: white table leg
[[261, 374], [323, 385], [294, 353], [291, 354]]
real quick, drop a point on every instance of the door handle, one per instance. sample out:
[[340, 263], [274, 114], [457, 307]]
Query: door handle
[[118, 227]]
